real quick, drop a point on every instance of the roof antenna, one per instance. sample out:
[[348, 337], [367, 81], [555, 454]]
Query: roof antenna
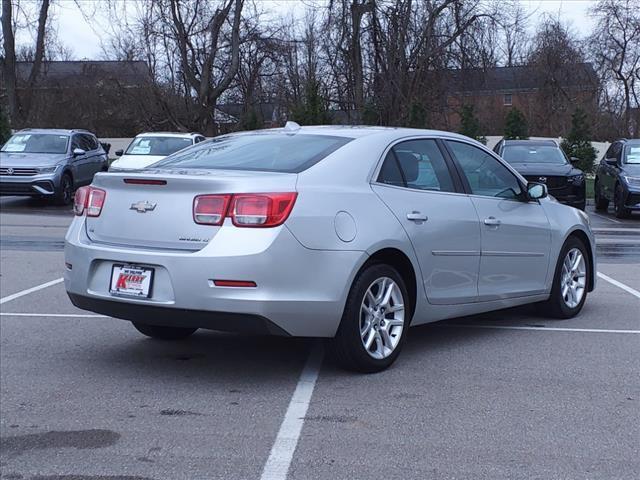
[[291, 127]]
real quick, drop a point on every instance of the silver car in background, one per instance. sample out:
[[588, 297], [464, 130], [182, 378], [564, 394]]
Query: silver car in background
[[348, 233]]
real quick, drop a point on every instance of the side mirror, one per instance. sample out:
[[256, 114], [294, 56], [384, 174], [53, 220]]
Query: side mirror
[[78, 151], [536, 191], [119, 153], [574, 160], [611, 161]]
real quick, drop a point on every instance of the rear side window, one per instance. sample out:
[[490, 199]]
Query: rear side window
[[417, 164], [268, 152]]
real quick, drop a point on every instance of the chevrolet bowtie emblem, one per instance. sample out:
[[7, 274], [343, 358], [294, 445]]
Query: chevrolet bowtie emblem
[[143, 207]]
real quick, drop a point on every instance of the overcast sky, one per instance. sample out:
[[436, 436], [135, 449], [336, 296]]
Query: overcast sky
[[83, 38]]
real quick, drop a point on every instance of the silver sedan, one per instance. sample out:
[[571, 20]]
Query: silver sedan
[[349, 233]]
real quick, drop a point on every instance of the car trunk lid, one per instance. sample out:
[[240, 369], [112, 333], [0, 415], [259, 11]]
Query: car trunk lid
[[154, 209]]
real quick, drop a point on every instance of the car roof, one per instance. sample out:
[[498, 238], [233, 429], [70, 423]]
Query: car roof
[[551, 143], [169, 134], [54, 131], [358, 131]]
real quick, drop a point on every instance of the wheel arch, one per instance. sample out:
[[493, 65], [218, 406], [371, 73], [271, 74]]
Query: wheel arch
[[67, 171], [397, 259]]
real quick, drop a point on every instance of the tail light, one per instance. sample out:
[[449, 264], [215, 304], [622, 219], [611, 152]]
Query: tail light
[[210, 209], [80, 200], [245, 210], [261, 209], [89, 200]]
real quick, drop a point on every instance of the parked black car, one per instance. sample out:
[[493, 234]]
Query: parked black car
[[543, 161], [618, 178]]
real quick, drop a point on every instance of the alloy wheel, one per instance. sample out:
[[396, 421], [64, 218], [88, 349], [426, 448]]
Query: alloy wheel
[[573, 280], [382, 318]]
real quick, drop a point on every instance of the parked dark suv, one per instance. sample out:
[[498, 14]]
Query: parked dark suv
[[543, 161], [618, 178], [50, 163]]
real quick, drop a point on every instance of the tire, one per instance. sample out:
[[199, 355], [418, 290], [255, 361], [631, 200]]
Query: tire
[[64, 193], [164, 333], [618, 203], [557, 305], [386, 329], [602, 204]]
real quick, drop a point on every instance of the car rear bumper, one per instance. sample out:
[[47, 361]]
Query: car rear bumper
[[179, 317], [299, 292]]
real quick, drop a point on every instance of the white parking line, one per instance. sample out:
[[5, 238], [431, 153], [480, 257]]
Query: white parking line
[[22, 293], [618, 284], [56, 315], [550, 329], [279, 460]]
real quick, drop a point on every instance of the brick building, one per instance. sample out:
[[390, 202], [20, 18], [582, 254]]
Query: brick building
[[547, 98]]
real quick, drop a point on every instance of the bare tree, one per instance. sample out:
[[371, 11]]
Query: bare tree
[[616, 50], [19, 108]]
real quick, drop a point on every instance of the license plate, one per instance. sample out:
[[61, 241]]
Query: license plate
[[131, 281]]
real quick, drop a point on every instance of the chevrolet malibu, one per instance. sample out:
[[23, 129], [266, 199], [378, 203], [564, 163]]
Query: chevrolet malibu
[[349, 233]]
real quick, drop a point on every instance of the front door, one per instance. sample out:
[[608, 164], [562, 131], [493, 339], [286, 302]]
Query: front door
[[516, 235], [82, 164], [416, 183]]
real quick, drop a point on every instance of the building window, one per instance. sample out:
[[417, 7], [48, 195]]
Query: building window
[[508, 100]]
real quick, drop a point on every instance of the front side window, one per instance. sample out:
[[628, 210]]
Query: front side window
[[485, 174], [36, 143], [267, 152], [161, 146], [88, 142], [534, 154]]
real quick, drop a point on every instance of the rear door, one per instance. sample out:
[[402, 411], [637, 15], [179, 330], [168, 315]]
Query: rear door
[[516, 235], [419, 186]]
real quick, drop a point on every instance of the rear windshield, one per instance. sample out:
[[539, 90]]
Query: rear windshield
[[157, 145], [268, 152], [37, 143], [533, 154]]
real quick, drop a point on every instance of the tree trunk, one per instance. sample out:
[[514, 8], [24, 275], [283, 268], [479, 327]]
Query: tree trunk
[[9, 63], [37, 59]]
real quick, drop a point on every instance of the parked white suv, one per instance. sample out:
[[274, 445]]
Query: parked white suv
[[148, 148]]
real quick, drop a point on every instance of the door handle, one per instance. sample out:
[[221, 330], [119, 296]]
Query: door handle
[[492, 221], [417, 217]]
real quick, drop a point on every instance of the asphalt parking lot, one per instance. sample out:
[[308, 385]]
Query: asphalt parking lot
[[506, 395]]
